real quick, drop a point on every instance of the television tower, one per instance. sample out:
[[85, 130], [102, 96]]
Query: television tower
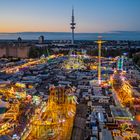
[[99, 42], [72, 26]]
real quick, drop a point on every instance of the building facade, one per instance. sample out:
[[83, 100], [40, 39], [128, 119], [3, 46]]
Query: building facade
[[14, 50]]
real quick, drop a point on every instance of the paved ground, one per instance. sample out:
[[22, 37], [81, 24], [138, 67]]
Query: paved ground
[[79, 123]]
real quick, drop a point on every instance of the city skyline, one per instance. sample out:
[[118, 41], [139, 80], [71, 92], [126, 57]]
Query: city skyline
[[55, 16]]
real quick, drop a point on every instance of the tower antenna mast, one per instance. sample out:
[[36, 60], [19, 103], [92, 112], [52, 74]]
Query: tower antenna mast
[[72, 26]]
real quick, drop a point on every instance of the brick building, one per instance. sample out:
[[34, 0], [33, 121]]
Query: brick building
[[20, 50]]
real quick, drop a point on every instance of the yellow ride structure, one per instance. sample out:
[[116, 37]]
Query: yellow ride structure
[[9, 118], [124, 92], [53, 120], [74, 61]]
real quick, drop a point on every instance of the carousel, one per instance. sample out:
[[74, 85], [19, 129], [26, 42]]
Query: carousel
[[75, 61]]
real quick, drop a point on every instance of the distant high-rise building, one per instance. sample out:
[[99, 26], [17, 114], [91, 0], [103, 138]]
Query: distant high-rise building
[[41, 39], [19, 40], [72, 26]]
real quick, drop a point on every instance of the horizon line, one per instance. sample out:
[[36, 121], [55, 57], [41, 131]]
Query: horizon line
[[117, 31]]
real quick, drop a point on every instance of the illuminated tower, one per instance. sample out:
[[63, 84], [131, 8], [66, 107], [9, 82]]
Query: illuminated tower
[[99, 42], [120, 63], [72, 26]]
